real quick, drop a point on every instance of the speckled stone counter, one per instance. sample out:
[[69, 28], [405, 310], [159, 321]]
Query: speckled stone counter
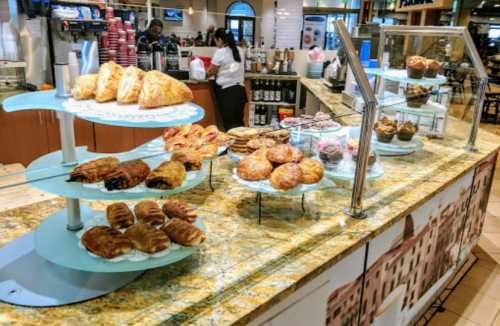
[[243, 269]]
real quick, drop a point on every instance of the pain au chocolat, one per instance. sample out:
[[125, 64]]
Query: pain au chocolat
[[106, 242], [93, 171], [168, 175], [149, 212], [147, 238], [183, 233], [127, 175], [119, 215], [176, 208]]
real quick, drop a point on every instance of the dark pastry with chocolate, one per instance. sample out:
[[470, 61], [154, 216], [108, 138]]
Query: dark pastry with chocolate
[[191, 159], [176, 208], [312, 170], [416, 66], [280, 154], [331, 154], [286, 176], [254, 168], [168, 175], [93, 171], [147, 238], [149, 212], [385, 130], [406, 131], [433, 67], [127, 175], [416, 95], [372, 158], [183, 233], [119, 215], [106, 242]]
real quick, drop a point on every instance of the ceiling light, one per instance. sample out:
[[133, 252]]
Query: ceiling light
[[190, 10]]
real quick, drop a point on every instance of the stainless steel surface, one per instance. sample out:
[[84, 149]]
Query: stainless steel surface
[[471, 51], [63, 80], [53, 285], [356, 208]]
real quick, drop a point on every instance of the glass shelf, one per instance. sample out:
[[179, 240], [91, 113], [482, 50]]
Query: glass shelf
[[400, 75]]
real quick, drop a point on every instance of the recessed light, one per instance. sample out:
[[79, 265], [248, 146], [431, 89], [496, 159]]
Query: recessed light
[[492, 18], [497, 5]]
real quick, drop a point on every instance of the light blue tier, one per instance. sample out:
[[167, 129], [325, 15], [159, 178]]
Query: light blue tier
[[48, 174], [345, 171], [110, 113], [400, 75], [62, 247], [264, 186], [397, 147]]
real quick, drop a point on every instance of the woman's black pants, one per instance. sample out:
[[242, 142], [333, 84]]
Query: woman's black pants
[[231, 105]]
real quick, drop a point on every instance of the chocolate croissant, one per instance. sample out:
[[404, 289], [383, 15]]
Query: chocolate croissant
[[127, 175], [93, 171], [147, 238], [183, 233], [119, 215], [191, 159], [175, 208], [106, 242], [149, 212], [168, 175]]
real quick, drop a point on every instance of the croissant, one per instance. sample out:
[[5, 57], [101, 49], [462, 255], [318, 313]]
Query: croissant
[[190, 158], [149, 212], [127, 175], [286, 176], [146, 238], [183, 233], [168, 175], [130, 85], [119, 215], [175, 208], [106, 242], [93, 171], [312, 170], [208, 151], [85, 87], [160, 89], [107, 81]]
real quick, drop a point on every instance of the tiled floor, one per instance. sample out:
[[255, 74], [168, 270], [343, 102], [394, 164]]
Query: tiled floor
[[476, 299]]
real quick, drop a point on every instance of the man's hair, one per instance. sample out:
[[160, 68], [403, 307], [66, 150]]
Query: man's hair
[[155, 22]]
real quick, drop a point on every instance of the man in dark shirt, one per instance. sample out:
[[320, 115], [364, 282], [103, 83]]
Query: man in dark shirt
[[153, 34]]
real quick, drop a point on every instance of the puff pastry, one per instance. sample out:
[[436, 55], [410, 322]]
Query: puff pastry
[[175, 143], [254, 168], [93, 171], [286, 176], [127, 175], [104, 241], [130, 85], [280, 154], [168, 175], [160, 89], [176, 208], [85, 87], [195, 130], [148, 212], [147, 238], [297, 155], [210, 133], [107, 81], [119, 216], [170, 132], [208, 151], [190, 158], [312, 170], [183, 233]]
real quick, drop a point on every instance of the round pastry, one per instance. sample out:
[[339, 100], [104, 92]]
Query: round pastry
[[253, 168], [385, 130], [286, 176], [433, 67], [257, 143], [415, 66], [281, 136], [331, 154], [297, 155], [280, 154], [312, 170], [243, 132], [406, 131], [416, 96], [261, 153]]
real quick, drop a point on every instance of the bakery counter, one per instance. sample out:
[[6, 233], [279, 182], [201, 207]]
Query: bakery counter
[[298, 268]]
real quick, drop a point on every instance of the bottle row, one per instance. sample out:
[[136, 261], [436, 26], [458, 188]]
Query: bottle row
[[269, 115], [273, 91]]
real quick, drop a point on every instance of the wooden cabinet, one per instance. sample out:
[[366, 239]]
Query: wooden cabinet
[[143, 135], [204, 96], [110, 139], [84, 132]]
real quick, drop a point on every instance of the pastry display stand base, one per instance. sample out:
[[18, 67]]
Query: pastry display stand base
[[258, 199]]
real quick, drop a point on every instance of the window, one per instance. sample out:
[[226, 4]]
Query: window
[[240, 19]]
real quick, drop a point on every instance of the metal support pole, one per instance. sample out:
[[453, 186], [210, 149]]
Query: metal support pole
[[67, 135], [476, 117]]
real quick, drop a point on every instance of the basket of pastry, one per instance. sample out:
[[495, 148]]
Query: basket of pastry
[[279, 169], [116, 94], [184, 170], [141, 232]]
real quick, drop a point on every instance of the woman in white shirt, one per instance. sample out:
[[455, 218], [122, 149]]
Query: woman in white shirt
[[227, 66]]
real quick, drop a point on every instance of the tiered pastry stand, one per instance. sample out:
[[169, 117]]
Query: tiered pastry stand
[[46, 267], [432, 115]]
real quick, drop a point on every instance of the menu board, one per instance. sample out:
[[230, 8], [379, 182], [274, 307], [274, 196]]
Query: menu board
[[411, 5], [314, 31]]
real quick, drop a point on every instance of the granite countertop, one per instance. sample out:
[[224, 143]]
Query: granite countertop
[[243, 268], [332, 101]]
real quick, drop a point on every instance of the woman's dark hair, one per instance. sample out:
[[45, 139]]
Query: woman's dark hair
[[228, 39]]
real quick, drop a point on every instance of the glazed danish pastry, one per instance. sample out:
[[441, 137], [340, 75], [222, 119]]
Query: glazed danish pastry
[[175, 208], [183, 233], [147, 238], [286, 176], [280, 154], [119, 215], [106, 242], [149, 212], [93, 171], [127, 175], [312, 170], [168, 175], [254, 168]]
